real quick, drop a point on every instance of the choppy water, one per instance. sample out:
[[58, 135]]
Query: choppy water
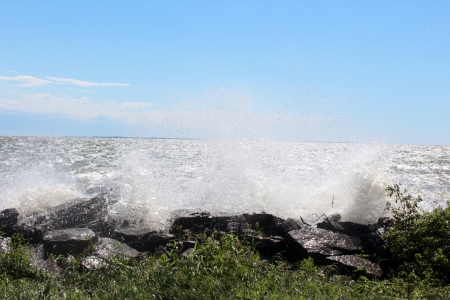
[[152, 177]]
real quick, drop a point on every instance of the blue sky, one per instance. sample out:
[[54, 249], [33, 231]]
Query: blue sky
[[339, 71]]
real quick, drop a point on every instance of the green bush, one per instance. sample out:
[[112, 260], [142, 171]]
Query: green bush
[[419, 240]]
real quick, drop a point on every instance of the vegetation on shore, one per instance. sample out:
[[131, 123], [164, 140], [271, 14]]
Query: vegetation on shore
[[229, 268]]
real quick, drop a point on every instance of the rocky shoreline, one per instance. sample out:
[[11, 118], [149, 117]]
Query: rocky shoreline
[[82, 227]]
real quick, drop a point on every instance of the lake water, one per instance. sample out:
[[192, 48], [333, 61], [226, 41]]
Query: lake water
[[150, 178]]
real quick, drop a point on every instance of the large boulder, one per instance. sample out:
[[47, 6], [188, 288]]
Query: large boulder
[[143, 239], [73, 241], [267, 245], [8, 218], [349, 264], [371, 235], [194, 220], [320, 243], [77, 213], [105, 250]]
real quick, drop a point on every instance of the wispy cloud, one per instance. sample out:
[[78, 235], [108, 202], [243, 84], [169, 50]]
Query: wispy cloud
[[220, 122], [82, 108], [30, 81], [84, 83]]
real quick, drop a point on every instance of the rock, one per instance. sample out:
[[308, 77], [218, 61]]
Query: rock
[[264, 223], [73, 241], [231, 224], [106, 249], [330, 223], [143, 239], [79, 213], [5, 244], [8, 218], [348, 264], [284, 226], [267, 245], [188, 252], [320, 243], [194, 220], [102, 228], [188, 244]]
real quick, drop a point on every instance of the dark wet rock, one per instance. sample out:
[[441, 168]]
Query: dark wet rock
[[188, 252], [284, 226], [33, 234], [320, 243], [371, 235], [73, 241], [102, 228], [8, 218], [267, 245], [160, 250], [143, 239], [105, 250], [78, 213], [194, 220], [330, 223], [264, 223], [348, 264], [230, 224], [188, 244]]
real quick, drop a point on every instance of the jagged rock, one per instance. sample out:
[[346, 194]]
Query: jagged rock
[[78, 213], [330, 223], [267, 245], [104, 250], [188, 244], [73, 241], [320, 243], [194, 220], [265, 223], [8, 218], [231, 224], [188, 252], [102, 228], [284, 226], [348, 264], [5, 243], [143, 239], [371, 235]]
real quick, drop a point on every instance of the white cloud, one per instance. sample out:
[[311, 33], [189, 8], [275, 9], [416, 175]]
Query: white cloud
[[84, 83], [82, 108], [225, 121], [28, 81]]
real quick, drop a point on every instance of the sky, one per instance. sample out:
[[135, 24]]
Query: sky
[[331, 71]]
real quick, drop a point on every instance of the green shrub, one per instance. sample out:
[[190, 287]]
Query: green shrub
[[418, 240]]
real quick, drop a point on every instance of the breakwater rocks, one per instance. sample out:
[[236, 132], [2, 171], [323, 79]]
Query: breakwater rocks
[[83, 227]]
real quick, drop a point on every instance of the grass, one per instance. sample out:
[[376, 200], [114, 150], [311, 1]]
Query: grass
[[226, 268]]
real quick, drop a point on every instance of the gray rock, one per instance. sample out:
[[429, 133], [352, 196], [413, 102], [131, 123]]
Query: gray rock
[[78, 213], [8, 218], [106, 249], [143, 239], [194, 220], [348, 264], [320, 243], [267, 245], [73, 241], [287, 225]]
